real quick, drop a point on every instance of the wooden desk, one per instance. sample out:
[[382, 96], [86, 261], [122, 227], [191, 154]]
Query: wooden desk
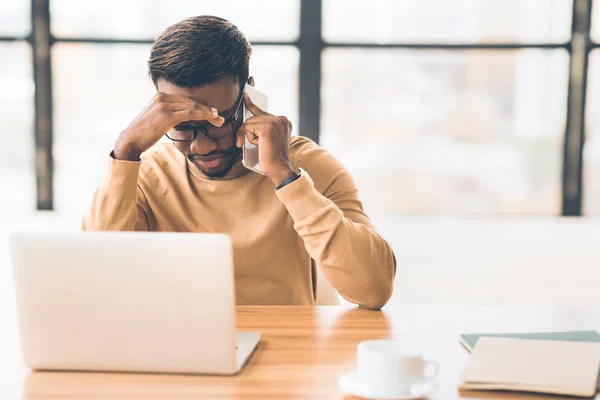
[[303, 353]]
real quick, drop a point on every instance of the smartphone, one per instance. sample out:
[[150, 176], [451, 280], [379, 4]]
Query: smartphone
[[249, 150]]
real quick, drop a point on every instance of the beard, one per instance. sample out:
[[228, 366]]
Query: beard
[[228, 160]]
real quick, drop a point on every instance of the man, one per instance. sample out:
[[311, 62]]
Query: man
[[304, 213]]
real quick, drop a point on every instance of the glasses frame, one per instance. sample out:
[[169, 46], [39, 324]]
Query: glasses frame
[[231, 120]]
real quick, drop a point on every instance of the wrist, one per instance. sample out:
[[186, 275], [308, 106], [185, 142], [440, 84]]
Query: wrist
[[126, 152], [282, 174]]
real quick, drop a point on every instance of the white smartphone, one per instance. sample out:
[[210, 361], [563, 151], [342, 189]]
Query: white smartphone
[[249, 150]]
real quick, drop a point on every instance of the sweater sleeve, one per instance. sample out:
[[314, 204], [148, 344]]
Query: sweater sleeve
[[337, 233], [119, 203]]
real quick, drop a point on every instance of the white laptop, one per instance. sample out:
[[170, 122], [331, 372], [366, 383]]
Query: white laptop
[[127, 301]]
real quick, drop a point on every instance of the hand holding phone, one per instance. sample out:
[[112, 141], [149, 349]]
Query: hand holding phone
[[249, 150], [266, 139]]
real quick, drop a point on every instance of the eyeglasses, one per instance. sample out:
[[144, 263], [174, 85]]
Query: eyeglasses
[[189, 133]]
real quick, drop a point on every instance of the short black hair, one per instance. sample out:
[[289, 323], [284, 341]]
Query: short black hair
[[200, 50]]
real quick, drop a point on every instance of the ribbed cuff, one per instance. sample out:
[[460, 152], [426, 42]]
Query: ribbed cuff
[[300, 197], [121, 179]]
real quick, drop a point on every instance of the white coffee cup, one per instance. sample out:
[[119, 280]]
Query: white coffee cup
[[391, 367]]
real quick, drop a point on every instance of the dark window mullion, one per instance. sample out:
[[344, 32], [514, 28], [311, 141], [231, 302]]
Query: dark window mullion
[[310, 45], [452, 46], [13, 39], [572, 191], [42, 71], [104, 40]]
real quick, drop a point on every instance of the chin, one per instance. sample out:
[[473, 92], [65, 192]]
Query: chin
[[217, 172]]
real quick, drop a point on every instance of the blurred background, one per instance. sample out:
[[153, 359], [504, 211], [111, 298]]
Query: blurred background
[[471, 127], [468, 125], [436, 107]]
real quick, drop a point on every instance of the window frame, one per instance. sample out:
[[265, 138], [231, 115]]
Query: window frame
[[310, 45]]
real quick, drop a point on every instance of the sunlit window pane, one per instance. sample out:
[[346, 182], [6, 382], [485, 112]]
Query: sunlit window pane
[[98, 90], [275, 69], [273, 20], [456, 21], [17, 176], [15, 17], [595, 28], [448, 132]]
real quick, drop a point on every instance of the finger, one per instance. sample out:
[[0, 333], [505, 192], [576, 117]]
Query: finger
[[259, 119], [250, 132], [191, 114], [178, 98], [241, 132], [178, 102], [253, 108], [163, 97], [239, 138], [259, 126], [197, 111], [214, 118], [289, 126]]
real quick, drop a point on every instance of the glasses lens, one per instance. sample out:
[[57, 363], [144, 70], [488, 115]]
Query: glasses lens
[[181, 134]]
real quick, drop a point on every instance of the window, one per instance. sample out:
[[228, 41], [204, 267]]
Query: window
[[275, 69], [435, 107], [442, 21], [262, 20], [595, 19], [448, 132], [15, 18], [98, 90], [17, 177]]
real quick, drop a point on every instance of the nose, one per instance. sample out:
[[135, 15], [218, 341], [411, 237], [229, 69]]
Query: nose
[[203, 145]]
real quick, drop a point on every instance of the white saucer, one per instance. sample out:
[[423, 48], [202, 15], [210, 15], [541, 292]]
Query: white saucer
[[351, 385]]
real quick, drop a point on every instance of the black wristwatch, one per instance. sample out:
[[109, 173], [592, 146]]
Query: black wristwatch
[[287, 181]]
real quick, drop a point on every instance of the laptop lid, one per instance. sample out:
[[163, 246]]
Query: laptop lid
[[126, 301]]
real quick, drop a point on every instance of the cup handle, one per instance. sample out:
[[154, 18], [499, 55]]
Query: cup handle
[[435, 367]]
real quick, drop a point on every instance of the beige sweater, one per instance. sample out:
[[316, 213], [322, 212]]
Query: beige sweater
[[279, 237]]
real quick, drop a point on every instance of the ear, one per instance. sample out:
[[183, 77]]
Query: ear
[[251, 81]]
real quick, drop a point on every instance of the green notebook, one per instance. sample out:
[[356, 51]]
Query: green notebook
[[469, 339]]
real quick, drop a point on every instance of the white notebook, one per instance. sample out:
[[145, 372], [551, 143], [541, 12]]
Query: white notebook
[[544, 366]]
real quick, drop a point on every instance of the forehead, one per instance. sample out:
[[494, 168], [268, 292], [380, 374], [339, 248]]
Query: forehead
[[222, 94]]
